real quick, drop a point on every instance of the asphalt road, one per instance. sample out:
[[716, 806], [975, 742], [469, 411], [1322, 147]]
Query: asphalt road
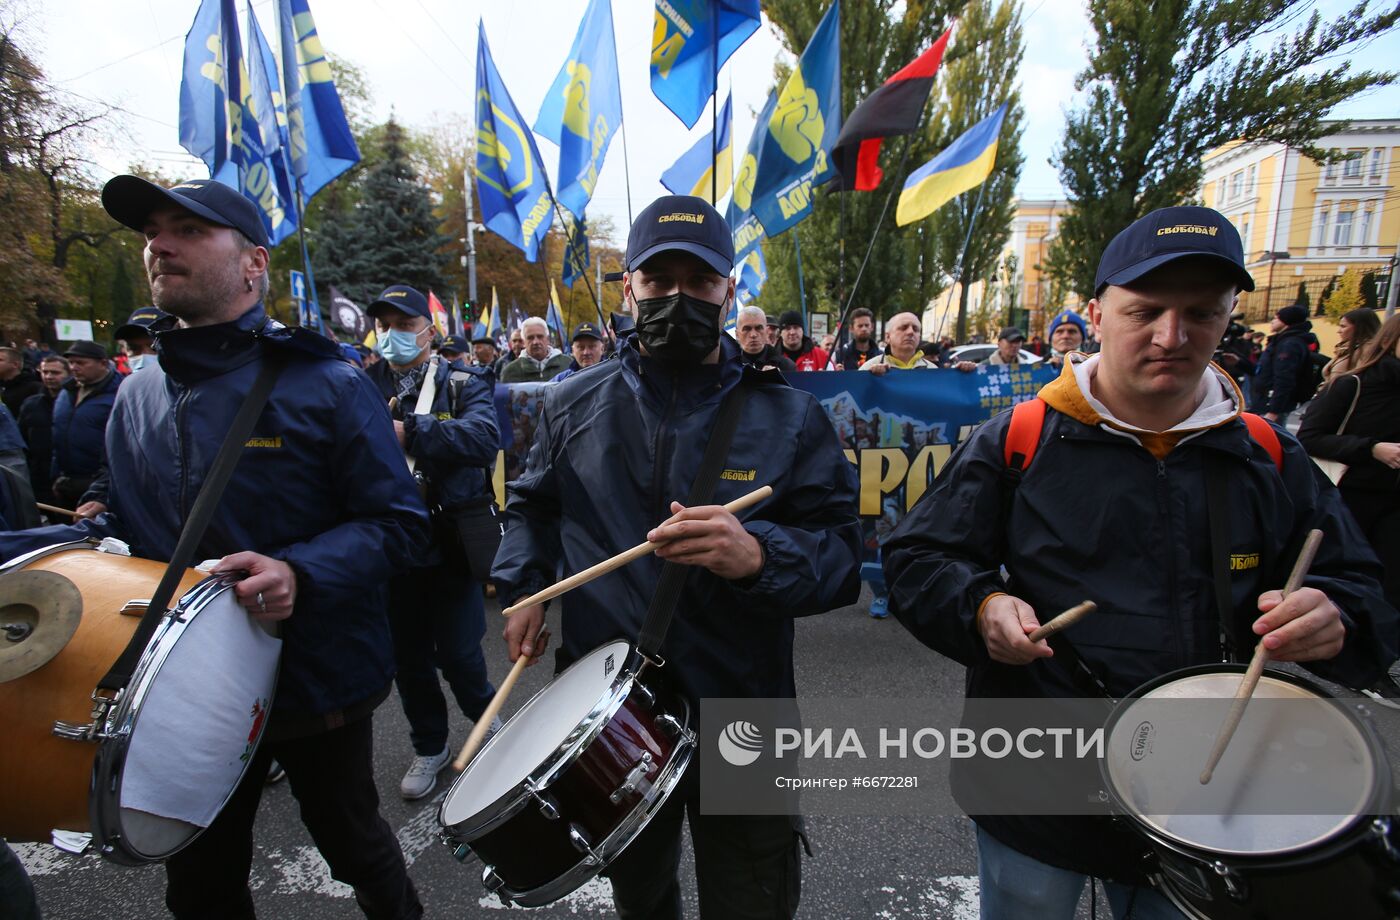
[[914, 866]]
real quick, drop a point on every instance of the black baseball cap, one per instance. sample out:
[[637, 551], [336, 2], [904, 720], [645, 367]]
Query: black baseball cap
[[131, 199], [485, 338], [1166, 235], [682, 222], [586, 331], [454, 344], [1011, 334], [403, 298], [139, 323], [770, 321], [84, 349]]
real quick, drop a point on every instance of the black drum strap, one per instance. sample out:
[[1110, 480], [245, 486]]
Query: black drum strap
[[1217, 505], [702, 490], [198, 521]]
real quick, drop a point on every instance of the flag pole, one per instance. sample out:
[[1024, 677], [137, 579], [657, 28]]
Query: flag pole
[[622, 126], [962, 257], [801, 285], [714, 104], [311, 303]]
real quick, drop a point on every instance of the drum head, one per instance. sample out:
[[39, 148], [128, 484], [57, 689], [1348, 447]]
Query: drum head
[[40, 612], [534, 735], [1293, 746], [198, 715]]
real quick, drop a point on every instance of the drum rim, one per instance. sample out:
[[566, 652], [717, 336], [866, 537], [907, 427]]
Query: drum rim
[[24, 559], [627, 830], [565, 755], [1375, 802], [105, 801]]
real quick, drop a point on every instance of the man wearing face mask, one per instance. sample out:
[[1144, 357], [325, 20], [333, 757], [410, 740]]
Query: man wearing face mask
[[435, 609], [642, 424], [139, 336]]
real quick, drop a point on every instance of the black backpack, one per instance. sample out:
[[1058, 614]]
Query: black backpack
[[1309, 379]]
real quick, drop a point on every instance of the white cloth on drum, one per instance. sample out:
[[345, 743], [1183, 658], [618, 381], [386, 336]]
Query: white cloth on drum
[[195, 731]]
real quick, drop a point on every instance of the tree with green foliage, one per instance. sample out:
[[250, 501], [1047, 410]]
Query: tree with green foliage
[[1346, 296], [1370, 294], [391, 236], [1168, 81], [982, 73], [878, 37], [1303, 300]]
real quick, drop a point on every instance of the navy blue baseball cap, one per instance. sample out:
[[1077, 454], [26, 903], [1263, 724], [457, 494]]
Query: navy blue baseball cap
[[139, 323], [453, 344], [1166, 235], [402, 298], [682, 222], [586, 331], [131, 199]]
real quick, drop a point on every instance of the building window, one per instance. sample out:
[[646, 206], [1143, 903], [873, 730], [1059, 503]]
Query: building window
[[1220, 193], [1249, 181], [1351, 169], [1376, 156], [1322, 227], [1341, 234], [1365, 238], [1244, 236], [1236, 185], [1329, 174]]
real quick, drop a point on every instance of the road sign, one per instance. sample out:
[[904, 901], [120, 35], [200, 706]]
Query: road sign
[[298, 285]]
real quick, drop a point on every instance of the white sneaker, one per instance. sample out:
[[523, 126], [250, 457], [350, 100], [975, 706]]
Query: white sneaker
[[422, 775]]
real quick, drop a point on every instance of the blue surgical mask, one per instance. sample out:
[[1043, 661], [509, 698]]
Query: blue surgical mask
[[399, 347], [136, 362]]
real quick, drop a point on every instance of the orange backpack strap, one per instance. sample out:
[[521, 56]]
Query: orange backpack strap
[[1264, 435], [1023, 434]]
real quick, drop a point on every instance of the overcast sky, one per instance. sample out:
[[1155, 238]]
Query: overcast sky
[[420, 59]]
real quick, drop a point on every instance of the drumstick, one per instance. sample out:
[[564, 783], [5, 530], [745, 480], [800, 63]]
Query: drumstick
[[1068, 618], [55, 510], [493, 708], [1256, 664], [621, 559]]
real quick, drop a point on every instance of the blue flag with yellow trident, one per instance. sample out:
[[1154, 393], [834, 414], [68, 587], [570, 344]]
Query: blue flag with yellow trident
[[264, 94], [576, 259], [583, 108], [797, 137], [753, 272], [320, 145], [510, 179], [685, 36], [692, 174]]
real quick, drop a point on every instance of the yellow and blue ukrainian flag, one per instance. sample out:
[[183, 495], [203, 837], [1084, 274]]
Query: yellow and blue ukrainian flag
[[692, 173], [966, 164]]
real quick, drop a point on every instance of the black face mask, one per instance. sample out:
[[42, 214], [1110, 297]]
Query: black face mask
[[678, 329]]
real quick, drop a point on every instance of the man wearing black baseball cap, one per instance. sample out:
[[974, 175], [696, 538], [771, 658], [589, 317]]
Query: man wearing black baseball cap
[[1187, 486], [586, 347], [640, 424], [319, 512], [138, 335]]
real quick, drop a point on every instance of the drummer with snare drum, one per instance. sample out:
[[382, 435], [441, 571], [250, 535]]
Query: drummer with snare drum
[[320, 512], [641, 424], [1111, 496]]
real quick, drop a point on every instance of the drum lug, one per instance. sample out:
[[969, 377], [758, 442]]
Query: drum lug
[[1234, 885], [645, 695], [1380, 830], [669, 724], [96, 730], [548, 807], [633, 778], [491, 880], [580, 842]]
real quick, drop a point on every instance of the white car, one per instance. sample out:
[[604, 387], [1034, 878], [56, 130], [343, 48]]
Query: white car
[[980, 353]]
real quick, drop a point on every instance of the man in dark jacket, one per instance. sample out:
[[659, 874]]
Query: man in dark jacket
[[641, 423], [586, 347], [320, 512], [540, 361], [798, 346], [1284, 361], [1152, 416], [17, 382], [862, 347], [80, 421], [435, 609], [752, 328], [36, 425]]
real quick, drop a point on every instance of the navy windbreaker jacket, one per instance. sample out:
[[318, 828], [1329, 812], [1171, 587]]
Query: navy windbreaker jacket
[[615, 446], [321, 484], [78, 430]]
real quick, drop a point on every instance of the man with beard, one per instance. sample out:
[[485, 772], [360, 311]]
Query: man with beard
[[861, 348], [320, 512], [752, 328], [641, 424]]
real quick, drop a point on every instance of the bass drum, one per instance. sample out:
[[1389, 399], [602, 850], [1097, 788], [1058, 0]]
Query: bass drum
[[574, 776], [1231, 850], [147, 773]]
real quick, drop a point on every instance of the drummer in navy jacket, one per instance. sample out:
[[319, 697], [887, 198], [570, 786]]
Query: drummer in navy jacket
[[640, 424], [1116, 506], [320, 511]]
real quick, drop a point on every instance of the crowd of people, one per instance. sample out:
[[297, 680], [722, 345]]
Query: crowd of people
[[374, 547]]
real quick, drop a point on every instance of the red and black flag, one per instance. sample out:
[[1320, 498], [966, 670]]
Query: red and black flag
[[893, 109]]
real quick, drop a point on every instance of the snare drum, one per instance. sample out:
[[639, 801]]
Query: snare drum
[[1219, 853], [574, 776], [149, 771]]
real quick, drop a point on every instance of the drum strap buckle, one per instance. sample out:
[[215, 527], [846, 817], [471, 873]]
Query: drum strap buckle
[[655, 661]]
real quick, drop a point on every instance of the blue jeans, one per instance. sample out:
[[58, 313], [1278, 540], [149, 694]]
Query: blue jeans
[[1016, 887], [437, 620]]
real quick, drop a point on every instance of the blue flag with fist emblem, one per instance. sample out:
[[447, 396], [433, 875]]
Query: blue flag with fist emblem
[[320, 145], [683, 46], [583, 107], [510, 179]]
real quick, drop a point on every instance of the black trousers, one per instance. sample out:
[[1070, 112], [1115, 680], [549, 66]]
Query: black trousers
[[747, 867], [1378, 514], [332, 778]]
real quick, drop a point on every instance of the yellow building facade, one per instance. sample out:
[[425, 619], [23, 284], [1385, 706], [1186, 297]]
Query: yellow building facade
[[1303, 223]]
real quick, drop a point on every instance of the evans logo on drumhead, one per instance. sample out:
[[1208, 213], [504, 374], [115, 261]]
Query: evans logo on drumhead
[[740, 743], [1140, 745], [608, 666]]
